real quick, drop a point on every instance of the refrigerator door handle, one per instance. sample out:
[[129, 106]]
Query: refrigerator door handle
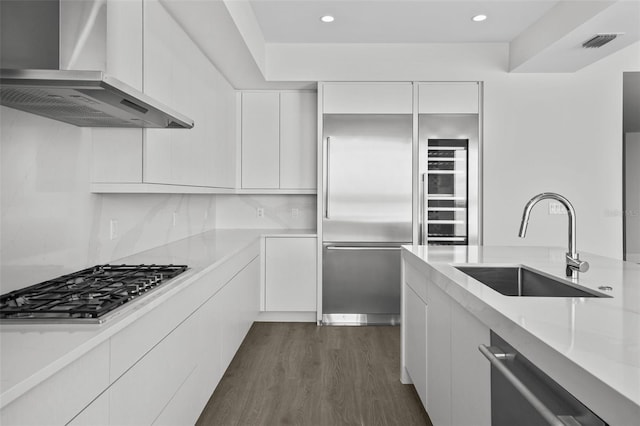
[[425, 204], [328, 175]]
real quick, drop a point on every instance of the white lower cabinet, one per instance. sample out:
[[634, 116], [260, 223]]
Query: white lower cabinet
[[171, 384], [416, 341], [290, 274], [96, 413], [62, 396], [162, 368], [140, 395], [470, 370], [441, 354]]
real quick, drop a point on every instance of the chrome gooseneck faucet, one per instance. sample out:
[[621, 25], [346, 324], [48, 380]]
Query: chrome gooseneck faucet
[[574, 264]]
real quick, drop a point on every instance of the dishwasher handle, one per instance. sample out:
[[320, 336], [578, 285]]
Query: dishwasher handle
[[495, 356]]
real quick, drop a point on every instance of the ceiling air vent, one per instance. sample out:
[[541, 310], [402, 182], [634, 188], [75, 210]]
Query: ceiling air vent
[[599, 40]]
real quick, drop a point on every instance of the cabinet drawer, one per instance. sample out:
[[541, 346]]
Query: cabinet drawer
[[59, 398], [140, 395]]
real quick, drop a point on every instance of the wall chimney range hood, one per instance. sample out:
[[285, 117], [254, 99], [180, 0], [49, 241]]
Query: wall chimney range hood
[[85, 99], [33, 51]]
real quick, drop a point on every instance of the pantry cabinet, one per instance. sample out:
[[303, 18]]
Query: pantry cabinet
[[278, 141], [290, 274], [440, 353]]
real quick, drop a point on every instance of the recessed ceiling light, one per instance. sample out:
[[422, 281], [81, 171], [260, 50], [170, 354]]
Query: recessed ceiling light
[[327, 18], [479, 18]]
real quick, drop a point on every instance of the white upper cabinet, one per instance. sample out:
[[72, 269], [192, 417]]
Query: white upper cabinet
[[124, 41], [448, 98], [298, 135], [278, 140], [260, 140], [176, 73], [367, 98]]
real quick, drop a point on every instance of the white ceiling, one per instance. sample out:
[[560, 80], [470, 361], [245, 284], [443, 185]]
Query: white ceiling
[[397, 21], [259, 43]]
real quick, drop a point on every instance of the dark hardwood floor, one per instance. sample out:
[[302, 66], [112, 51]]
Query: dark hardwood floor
[[301, 374]]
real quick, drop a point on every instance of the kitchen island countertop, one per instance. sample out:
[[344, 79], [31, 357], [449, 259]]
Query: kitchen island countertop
[[31, 353], [591, 345]]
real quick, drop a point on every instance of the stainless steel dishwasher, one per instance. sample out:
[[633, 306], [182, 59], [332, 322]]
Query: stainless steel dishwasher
[[523, 395]]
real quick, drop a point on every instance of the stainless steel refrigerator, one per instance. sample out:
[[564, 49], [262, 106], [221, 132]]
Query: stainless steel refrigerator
[[367, 190]]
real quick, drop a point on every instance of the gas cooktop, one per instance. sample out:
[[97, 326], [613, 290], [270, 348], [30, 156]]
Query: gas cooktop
[[85, 296]]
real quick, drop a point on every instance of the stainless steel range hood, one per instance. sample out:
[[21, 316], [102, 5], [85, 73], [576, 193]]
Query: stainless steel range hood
[[31, 55], [85, 99]]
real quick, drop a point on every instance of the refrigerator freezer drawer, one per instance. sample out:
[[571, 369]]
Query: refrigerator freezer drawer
[[361, 281]]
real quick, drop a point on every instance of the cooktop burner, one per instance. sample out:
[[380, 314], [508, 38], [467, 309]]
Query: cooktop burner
[[87, 294]]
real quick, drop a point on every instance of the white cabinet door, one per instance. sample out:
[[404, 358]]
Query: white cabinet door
[[290, 274], [367, 98], [439, 356], [470, 371], [415, 329], [448, 98], [176, 73], [179, 75], [260, 140], [298, 135], [124, 41]]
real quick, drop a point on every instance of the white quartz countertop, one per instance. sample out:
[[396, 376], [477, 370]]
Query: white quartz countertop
[[30, 353], [596, 335]]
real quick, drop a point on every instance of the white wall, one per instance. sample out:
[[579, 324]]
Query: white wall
[[239, 211], [632, 208], [559, 133], [542, 132], [51, 224]]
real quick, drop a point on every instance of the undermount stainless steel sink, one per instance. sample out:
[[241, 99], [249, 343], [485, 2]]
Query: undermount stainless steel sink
[[520, 281]]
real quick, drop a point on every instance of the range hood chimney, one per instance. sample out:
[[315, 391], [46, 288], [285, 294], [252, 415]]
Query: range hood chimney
[[31, 81]]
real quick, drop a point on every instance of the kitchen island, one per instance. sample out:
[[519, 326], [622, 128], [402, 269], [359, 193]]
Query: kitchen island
[[588, 345], [145, 363]]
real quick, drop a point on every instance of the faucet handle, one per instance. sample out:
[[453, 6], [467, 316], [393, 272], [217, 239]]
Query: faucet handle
[[575, 264]]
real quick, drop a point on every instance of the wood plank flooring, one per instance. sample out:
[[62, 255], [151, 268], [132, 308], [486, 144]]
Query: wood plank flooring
[[301, 374]]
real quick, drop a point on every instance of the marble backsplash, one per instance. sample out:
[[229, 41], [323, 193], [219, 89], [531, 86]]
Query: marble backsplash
[[280, 211], [51, 224]]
